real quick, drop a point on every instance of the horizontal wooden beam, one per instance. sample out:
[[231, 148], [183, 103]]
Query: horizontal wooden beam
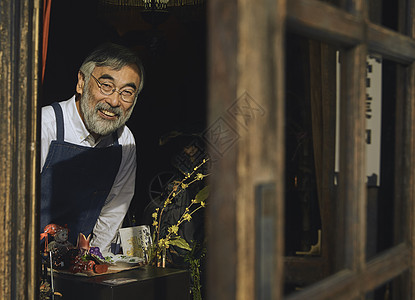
[[324, 22], [390, 44], [303, 270], [330, 288], [386, 266], [347, 284], [327, 23]]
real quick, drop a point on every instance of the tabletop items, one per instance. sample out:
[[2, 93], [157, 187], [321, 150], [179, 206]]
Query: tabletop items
[[62, 256]]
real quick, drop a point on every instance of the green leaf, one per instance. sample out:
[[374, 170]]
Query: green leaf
[[202, 195], [181, 243]]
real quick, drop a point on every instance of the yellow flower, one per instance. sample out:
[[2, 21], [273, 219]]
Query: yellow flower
[[155, 223], [173, 229], [187, 217], [163, 243], [199, 176], [184, 186], [154, 215], [167, 202], [203, 204]]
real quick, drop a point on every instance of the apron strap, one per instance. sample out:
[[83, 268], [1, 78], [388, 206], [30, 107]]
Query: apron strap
[[59, 121], [115, 137]]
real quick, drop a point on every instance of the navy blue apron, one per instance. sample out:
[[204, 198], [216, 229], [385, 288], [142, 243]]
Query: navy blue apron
[[75, 182]]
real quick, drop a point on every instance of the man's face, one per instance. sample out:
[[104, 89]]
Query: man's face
[[103, 114]]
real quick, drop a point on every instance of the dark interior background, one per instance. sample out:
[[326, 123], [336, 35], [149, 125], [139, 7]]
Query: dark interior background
[[172, 46]]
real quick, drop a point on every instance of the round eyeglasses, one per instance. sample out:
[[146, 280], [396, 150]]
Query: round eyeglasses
[[108, 88]]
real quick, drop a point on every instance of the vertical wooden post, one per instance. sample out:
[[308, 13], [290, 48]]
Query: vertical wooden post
[[411, 173], [221, 211], [352, 183], [404, 287], [352, 186], [246, 107], [19, 85], [261, 150]]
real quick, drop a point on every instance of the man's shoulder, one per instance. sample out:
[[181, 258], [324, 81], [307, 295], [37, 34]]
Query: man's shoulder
[[48, 110], [48, 117], [125, 135], [128, 131]]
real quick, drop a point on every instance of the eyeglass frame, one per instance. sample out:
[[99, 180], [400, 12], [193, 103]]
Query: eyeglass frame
[[115, 89]]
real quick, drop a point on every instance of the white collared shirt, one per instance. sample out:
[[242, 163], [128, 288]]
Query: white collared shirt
[[122, 191]]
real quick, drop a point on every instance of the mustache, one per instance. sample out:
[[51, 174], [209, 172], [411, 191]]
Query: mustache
[[105, 106]]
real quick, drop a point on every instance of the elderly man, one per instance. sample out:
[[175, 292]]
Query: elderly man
[[88, 154]]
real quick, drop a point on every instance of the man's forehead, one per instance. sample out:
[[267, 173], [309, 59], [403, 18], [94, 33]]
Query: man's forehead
[[128, 72]]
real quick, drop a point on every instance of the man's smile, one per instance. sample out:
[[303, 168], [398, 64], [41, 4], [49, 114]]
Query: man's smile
[[108, 113]]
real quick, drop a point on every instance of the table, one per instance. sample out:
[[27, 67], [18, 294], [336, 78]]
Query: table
[[143, 283]]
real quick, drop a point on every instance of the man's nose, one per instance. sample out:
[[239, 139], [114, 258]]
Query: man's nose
[[114, 99]]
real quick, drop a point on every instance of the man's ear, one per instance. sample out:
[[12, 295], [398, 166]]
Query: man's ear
[[81, 83]]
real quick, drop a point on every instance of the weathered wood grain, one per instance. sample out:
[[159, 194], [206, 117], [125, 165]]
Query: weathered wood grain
[[19, 88]]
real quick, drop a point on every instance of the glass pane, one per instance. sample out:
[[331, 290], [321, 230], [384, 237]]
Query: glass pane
[[310, 144], [381, 293], [384, 13], [302, 220], [381, 141]]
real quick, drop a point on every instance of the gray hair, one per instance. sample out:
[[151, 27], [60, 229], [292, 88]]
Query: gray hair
[[113, 56]]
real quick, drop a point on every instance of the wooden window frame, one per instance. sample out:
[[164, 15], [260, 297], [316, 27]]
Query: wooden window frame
[[358, 36], [230, 276]]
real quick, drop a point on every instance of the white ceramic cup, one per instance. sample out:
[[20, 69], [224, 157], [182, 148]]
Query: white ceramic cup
[[136, 240]]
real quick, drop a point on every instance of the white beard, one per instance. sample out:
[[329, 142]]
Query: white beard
[[94, 123]]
